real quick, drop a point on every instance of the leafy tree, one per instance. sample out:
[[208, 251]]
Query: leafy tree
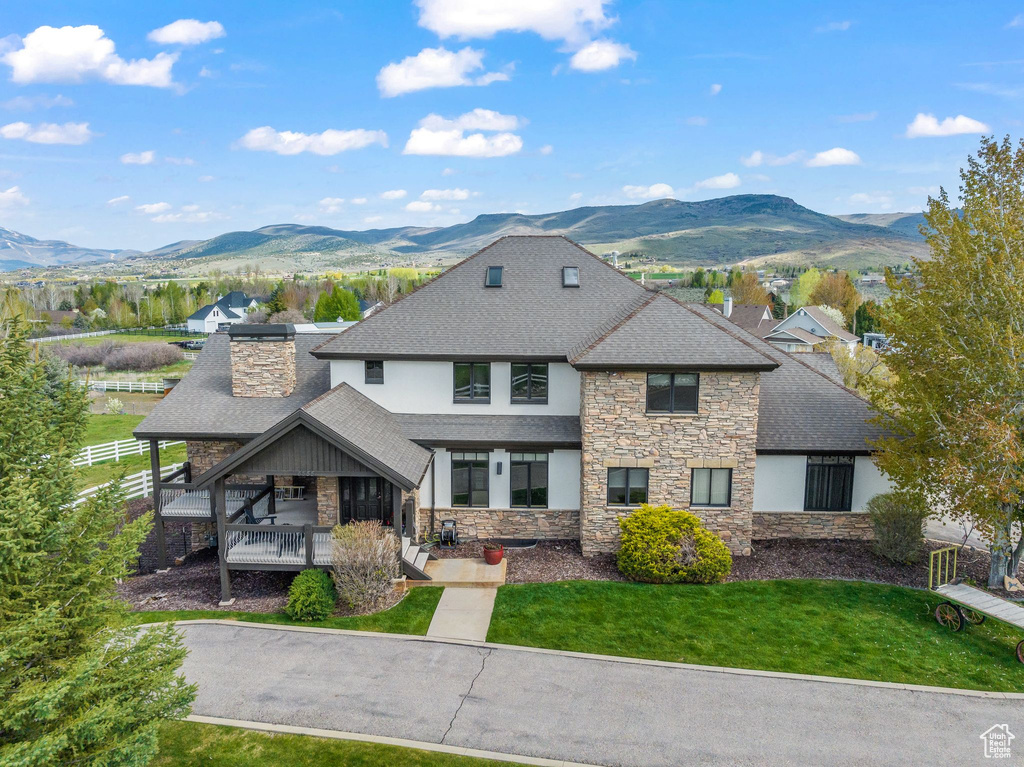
[[747, 290], [868, 317], [698, 279], [836, 290], [800, 293], [338, 303], [833, 314], [276, 302], [957, 339], [78, 685], [715, 297]]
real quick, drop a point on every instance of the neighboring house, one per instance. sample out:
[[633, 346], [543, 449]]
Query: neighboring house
[[806, 328], [229, 309], [754, 318], [366, 308], [876, 341], [531, 391]]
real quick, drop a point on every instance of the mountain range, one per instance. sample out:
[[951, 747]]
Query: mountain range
[[19, 251], [750, 229]]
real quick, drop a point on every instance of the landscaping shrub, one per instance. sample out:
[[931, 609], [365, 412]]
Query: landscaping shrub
[[115, 406], [84, 355], [255, 318], [142, 356], [288, 315], [663, 545], [899, 527], [311, 597], [365, 560]]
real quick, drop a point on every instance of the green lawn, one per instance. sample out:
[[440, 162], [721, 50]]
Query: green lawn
[[832, 628], [127, 338], [191, 743], [410, 616], [98, 473], [107, 428]]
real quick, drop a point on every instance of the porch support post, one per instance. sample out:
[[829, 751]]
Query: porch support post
[[272, 504], [158, 520], [220, 507], [396, 509], [307, 535]]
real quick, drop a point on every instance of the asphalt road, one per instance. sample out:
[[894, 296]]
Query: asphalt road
[[579, 709]]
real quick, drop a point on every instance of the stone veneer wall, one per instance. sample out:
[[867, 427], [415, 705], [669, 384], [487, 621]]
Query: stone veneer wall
[[845, 525], [616, 431], [203, 455], [481, 524], [328, 501], [262, 368]]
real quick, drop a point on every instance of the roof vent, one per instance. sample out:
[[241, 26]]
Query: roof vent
[[570, 276], [493, 279]]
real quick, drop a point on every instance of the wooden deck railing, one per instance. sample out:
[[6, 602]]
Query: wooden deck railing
[[284, 547]]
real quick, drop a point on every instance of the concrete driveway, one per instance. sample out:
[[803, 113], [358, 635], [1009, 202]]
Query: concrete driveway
[[580, 709]]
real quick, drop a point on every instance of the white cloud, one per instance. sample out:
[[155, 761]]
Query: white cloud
[[923, 190], [76, 54], [48, 133], [419, 206], [359, 201], [835, 156], [600, 55], [119, 200], [440, 136], [190, 214], [575, 21], [331, 204], [449, 172], [926, 125], [725, 181], [207, 72], [546, 149], [835, 26], [28, 103], [139, 158], [187, 32], [715, 89], [179, 161], [697, 121], [372, 219], [882, 200], [1016, 21], [151, 208], [330, 142], [758, 158], [435, 68], [575, 196], [393, 194], [445, 194], [652, 192], [12, 197], [206, 179]]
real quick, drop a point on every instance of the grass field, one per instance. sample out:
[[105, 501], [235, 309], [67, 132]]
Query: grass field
[[833, 628], [107, 428], [191, 743], [410, 616], [128, 338], [98, 473]]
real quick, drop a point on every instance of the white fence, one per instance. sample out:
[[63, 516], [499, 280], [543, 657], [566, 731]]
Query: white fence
[[135, 485], [190, 355], [91, 454], [72, 336], [154, 387]]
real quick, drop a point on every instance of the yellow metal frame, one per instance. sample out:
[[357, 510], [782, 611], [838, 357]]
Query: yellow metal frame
[[938, 566]]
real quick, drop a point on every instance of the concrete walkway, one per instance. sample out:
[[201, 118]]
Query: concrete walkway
[[463, 614], [580, 708]]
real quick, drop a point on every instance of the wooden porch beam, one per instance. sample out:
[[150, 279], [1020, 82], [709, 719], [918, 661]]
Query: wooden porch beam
[[158, 520], [220, 507]]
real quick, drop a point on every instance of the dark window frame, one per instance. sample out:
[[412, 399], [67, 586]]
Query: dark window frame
[[529, 478], [709, 504], [486, 472], [569, 284], [472, 398], [373, 379], [833, 468], [529, 398], [487, 276], [629, 487], [672, 410]]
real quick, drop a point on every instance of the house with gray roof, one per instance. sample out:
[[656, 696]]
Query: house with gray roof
[[531, 391], [228, 309], [807, 328]]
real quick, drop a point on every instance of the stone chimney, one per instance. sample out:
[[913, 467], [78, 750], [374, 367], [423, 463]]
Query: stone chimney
[[262, 360], [727, 307]]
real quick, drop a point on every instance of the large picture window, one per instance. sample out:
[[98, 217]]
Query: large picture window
[[528, 480], [470, 479], [472, 381], [530, 382], [711, 487], [627, 487], [672, 392], [829, 483]]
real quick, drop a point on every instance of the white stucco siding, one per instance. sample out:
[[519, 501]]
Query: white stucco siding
[[421, 386], [780, 481], [563, 480]]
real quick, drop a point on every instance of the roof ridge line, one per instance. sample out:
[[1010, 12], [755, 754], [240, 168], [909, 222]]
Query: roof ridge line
[[727, 331], [647, 300]]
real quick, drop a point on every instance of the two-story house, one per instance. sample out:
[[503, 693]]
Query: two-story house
[[228, 310], [530, 391]]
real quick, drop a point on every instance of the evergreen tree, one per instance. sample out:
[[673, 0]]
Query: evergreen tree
[[78, 685], [276, 302]]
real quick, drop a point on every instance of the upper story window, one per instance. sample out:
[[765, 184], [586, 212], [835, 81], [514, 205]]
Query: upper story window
[[570, 276], [530, 382], [711, 487], [672, 392], [375, 371], [829, 483], [528, 480], [493, 279], [472, 382], [470, 479]]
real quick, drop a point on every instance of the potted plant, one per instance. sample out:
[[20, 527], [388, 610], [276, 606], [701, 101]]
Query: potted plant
[[493, 552]]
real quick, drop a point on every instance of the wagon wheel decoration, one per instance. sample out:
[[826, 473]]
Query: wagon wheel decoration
[[949, 616], [972, 616], [1020, 651]]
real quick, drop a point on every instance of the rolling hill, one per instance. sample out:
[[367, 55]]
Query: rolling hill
[[19, 251]]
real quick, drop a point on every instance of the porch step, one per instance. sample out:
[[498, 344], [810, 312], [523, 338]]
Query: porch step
[[414, 559]]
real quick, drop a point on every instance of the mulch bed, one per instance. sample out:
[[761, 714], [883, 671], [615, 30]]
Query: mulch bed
[[548, 561]]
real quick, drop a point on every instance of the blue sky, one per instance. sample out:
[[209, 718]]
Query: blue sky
[[136, 126]]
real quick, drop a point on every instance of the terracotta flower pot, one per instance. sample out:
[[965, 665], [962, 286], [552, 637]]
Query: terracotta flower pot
[[494, 556]]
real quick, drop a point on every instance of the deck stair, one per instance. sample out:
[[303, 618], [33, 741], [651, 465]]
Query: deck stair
[[414, 560]]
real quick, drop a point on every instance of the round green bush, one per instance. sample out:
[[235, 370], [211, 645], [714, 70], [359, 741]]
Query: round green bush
[[663, 545], [311, 596], [898, 524]]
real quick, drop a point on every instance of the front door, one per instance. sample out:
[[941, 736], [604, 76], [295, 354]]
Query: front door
[[365, 498]]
